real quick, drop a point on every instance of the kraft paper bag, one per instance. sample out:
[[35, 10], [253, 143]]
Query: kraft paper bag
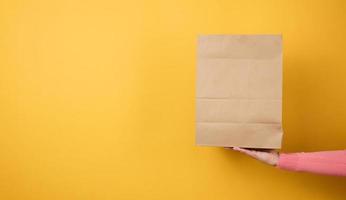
[[239, 91]]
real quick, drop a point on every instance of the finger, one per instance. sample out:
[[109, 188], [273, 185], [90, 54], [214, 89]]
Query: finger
[[255, 154], [240, 150], [246, 151], [236, 148]]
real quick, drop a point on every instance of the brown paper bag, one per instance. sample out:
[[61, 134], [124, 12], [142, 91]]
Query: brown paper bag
[[239, 91]]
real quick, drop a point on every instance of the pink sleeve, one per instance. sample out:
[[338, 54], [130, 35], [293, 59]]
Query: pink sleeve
[[324, 162]]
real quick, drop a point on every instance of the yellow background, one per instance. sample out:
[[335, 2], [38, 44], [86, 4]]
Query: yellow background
[[97, 99]]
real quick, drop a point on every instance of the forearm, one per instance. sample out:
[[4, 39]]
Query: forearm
[[324, 162]]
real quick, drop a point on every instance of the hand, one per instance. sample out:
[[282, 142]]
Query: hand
[[270, 157]]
